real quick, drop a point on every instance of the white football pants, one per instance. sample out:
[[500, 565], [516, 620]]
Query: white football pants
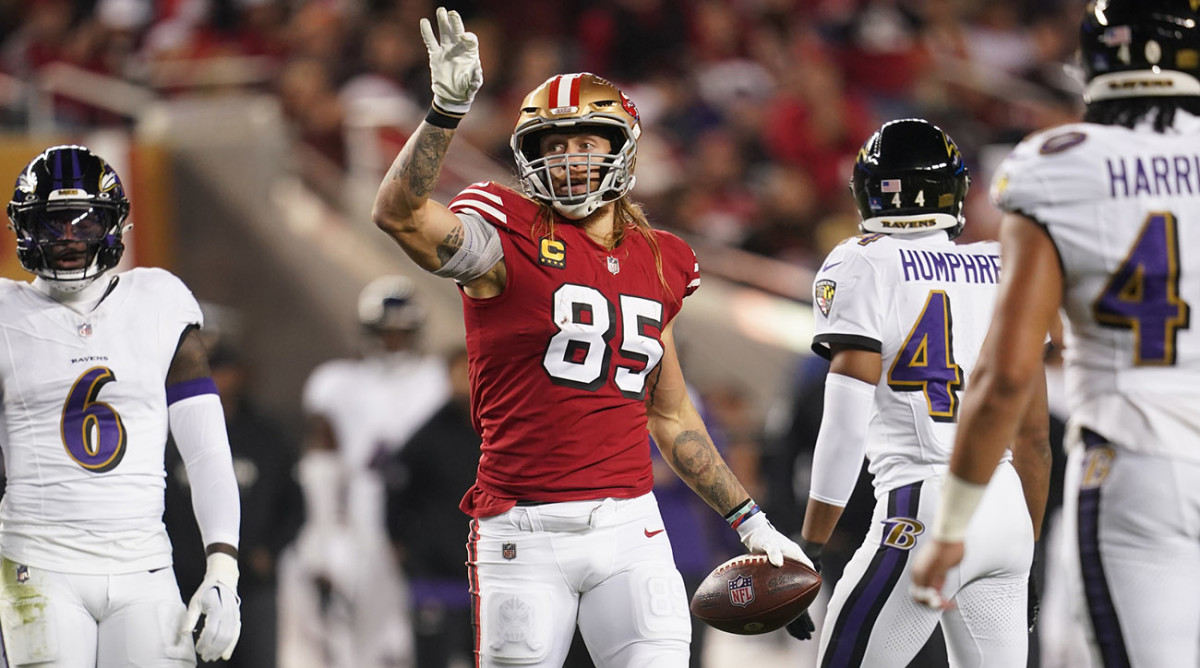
[[1131, 525], [60, 620], [874, 621], [606, 565]]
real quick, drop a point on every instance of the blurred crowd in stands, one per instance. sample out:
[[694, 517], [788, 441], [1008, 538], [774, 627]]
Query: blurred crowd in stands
[[753, 112], [753, 109]]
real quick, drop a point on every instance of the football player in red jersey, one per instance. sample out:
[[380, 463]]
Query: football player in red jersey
[[569, 297]]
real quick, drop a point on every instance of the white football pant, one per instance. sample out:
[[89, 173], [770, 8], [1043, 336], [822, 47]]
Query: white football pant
[[873, 620], [538, 570], [60, 620]]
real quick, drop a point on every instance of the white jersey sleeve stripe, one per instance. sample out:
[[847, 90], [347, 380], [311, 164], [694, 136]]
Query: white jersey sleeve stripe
[[483, 193], [480, 208]]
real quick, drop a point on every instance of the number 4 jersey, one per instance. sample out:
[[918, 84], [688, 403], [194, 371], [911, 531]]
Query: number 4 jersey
[[1123, 209], [84, 423], [561, 361], [924, 303]]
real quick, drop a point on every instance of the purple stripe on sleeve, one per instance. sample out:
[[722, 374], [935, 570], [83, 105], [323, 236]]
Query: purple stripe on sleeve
[[190, 388]]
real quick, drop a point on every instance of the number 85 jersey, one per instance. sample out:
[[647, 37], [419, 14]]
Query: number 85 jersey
[[84, 423], [1122, 207], [924, 304], [561, 360]]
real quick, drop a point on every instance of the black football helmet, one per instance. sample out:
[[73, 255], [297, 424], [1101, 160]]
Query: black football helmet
[[68, 195], [1140, 48], [909, 177]]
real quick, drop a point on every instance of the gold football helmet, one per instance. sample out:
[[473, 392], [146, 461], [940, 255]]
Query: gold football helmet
[[569, 101]]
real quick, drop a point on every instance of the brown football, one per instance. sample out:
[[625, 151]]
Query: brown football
[[747, 595]]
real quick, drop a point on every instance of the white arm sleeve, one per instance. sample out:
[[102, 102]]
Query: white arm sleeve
[[481, 250], [198, 425], [842, 441]]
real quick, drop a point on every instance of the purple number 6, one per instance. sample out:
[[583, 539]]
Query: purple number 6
[[92, 431]]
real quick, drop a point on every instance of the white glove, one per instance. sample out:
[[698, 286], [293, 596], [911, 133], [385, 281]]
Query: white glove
[[453, 62], [218, 601], [760, 537]]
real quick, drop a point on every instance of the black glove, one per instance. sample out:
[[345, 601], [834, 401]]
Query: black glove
[[802, 627], [1034, 604]]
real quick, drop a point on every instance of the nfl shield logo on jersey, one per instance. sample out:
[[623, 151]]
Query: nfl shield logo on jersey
[[509, 551], [614, 267], [741, 591], [823, 295]]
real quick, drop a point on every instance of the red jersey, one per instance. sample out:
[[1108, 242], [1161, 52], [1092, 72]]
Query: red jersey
[[559, 361]]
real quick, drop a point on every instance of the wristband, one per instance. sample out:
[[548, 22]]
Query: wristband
[[438, 118], [744, 511], [955, 508]]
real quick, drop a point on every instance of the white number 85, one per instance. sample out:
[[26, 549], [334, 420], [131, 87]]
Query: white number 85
[[585, 320]]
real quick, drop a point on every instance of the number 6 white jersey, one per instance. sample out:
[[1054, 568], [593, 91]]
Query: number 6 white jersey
[[1123, 209], [924, 303], [83, 423]]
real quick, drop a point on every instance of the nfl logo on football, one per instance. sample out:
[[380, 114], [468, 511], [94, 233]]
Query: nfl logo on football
[[741, 591]]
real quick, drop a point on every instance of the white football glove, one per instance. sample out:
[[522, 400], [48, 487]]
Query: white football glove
[[760, 537], [217, 600], [453, 62]]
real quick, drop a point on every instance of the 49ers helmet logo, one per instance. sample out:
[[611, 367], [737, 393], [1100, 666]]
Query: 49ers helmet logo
[[629, 107]]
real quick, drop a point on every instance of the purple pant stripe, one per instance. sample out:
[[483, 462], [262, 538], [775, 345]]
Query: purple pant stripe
[[852, 630], [1103, 613]]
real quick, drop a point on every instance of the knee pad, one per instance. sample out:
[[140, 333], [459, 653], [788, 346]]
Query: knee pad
[[517, 627], [661, 610]]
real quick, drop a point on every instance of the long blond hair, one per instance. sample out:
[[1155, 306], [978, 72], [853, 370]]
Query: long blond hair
[[627, 215]]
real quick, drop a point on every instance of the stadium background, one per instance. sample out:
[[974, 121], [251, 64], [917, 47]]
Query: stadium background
[[252, 134]]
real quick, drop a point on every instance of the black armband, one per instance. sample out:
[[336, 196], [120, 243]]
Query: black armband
[[441, 119]]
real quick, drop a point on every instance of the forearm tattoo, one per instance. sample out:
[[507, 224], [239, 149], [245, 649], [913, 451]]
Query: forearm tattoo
[[696, 461], [450, 245], [419, 168]]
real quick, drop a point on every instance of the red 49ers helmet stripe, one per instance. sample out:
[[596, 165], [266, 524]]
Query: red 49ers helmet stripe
[[564, 91], [573, 103]]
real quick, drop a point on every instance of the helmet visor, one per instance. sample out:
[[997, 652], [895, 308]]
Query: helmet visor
[[74, 223]]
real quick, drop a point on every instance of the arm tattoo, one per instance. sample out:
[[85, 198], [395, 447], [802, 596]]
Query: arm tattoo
[[697, 462], [450, 245], [190, 360], [421, 166]]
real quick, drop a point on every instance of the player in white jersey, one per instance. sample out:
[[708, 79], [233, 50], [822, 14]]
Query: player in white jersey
[[901, 313], [1103, 220], [95, 368], [361, 412]]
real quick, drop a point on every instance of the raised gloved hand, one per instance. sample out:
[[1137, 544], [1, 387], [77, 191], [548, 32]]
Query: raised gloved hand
[[453, 63], [217, 600], [760, 537]]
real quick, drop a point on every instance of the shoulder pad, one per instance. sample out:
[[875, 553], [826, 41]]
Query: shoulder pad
[[495, 203], [1043, 167]]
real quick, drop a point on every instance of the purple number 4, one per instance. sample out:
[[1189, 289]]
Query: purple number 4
[[1142, 295], [925, 362]]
